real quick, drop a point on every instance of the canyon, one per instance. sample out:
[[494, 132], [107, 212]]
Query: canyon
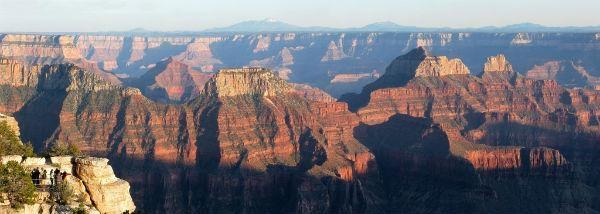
[[336, 62], [427, 133], [508, 128]]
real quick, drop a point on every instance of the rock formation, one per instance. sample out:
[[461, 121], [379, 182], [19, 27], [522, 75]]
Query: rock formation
[[247, 81], [418, 63], [334, 52], [428, 137], [502, 108], [497, 64], [248, 131], [108, 193], [171, 81], [519, 161], [91, 180], [567, 73], [314, 58]]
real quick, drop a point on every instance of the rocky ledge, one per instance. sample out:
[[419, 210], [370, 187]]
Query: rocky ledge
[[246, 81], [91, 179]]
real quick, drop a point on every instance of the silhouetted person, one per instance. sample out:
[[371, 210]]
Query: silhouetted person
[[64, 175], [57, 176], [52, 177], [35, 175]]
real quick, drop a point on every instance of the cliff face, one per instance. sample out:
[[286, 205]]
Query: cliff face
[[484, 117], [520, 161], [171, 81], [91, 180], [253, 123], [108, 193], [250, 142], [470, 108], [567, 73], [309, 58]]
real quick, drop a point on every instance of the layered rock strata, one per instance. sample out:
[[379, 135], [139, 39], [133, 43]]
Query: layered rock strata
[[248, 138], [250, 142], [496, 122], [171, 81], [308, 58]]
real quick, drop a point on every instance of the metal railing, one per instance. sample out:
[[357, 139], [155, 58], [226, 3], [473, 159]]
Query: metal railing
[[45, 185]]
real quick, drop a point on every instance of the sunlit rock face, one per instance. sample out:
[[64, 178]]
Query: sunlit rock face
[[247, 81], [109, 193], [251, 142], [248, 131], [496, 123], [171, 81], [94, 186]]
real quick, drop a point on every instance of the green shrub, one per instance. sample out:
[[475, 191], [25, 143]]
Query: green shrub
[[65, 193], [60, 149], [10, 144], [80, 210], [17, 184]]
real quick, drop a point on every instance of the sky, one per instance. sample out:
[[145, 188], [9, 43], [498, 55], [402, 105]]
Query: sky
[[194, 15]]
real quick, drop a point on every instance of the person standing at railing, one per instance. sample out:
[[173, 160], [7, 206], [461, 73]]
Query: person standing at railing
[[57, 176], [52, 177], [44, 172], [35, 176]]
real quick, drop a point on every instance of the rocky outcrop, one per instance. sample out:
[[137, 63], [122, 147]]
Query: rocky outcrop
[[91, 179], [497, 71], [437, 66], [171, 81], [482, 116], [334, 52], [461, 104], [418, 63], [349, 78], [497, 64], [108, 193], [247, 81]]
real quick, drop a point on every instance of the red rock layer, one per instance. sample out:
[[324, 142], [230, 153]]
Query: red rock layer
[[257, 138], [172, 81], [479, 110], [518, 161]]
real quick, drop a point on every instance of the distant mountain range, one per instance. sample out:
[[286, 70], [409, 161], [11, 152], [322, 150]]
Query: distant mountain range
[[272, 25]]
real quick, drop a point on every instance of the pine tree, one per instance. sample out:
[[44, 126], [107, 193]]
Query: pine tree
[[10, 144], [17, 184]]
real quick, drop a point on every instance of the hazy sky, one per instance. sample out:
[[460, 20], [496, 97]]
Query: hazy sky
[[104, 15]]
